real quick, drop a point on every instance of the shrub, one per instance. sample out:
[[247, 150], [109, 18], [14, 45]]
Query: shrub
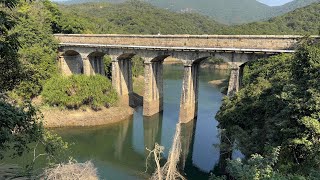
[[79, 90]]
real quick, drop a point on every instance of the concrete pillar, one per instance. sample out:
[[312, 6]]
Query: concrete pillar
[[189, 96], [86, 65], [153, 88], [241, 76], [122, 80], [233, 81]]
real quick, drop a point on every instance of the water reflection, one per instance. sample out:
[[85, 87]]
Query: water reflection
[[119, 150], [187, 139], [152, 128]]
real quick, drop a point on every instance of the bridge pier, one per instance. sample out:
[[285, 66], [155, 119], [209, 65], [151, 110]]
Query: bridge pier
[[122, 80], [234, 81], [189, 95], [153, 88], [86, 66]]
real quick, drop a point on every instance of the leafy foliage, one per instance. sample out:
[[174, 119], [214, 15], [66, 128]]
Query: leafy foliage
[[137, 66], [9, 63], [37, 50], [279, 106], [259, 167], [79, 90], [19, 127]]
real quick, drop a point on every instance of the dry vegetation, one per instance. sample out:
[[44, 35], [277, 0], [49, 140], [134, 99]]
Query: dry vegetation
[[71, 171]]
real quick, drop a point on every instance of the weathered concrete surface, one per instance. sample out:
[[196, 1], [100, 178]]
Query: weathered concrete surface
[[233, 81], [71, 64], [189, 95], [153, 88], [122, 79], [225, 41]]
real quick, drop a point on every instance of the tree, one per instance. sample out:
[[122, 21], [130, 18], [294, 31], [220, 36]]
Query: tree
[[38, 47], [279, 105], [9, 64], [19, 124]]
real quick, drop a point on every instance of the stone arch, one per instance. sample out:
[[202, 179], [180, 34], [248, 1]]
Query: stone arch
[[96, 63], [70, 62]]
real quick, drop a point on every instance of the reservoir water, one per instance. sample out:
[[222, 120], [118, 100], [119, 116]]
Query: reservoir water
[[119, 150]]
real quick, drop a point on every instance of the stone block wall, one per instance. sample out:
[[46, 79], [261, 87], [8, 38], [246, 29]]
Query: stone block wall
[[71, 65], [279, 42]]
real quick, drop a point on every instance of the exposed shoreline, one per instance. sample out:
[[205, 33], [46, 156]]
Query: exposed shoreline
[[56, 118], [219, 82]]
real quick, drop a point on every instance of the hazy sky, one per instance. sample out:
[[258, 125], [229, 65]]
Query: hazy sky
[[268, 2], [275, 2]]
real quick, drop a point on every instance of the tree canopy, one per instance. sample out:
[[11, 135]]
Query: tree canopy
[[279, 106]]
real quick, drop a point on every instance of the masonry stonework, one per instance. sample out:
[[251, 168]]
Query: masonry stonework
[[225, 41]]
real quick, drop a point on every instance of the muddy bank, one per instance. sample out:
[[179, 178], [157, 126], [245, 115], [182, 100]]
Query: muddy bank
[[55, 117], [219, 82]]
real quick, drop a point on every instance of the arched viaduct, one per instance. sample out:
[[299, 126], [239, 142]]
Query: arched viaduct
[[83, 54]]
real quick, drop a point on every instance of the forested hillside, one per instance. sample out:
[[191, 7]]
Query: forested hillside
[[226, 11], [137, 17], [300, 21]]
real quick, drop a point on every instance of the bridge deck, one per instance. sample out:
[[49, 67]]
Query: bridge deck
[[160, 48]]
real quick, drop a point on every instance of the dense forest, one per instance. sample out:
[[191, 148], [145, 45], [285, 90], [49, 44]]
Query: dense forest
[[136, 17], [276, 117], [300, 21], [27, 60], [226, 11]]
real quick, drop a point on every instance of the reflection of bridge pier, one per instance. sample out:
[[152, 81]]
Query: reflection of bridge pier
[[152, 127], [187, 140], [121, 138]]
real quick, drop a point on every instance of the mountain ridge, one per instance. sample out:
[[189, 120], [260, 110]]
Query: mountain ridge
[[136, 17], [226, 11]]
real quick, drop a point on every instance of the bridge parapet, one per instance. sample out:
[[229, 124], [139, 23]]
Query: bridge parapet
[[268, 42]]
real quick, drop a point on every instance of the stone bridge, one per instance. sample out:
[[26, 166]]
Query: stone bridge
[[83, 54]]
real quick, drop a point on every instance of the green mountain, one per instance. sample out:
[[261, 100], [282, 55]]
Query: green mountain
[[224, 11], [137, 17], [303, 21], [293, 5]]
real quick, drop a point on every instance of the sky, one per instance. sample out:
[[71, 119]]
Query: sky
[[275, 2]]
